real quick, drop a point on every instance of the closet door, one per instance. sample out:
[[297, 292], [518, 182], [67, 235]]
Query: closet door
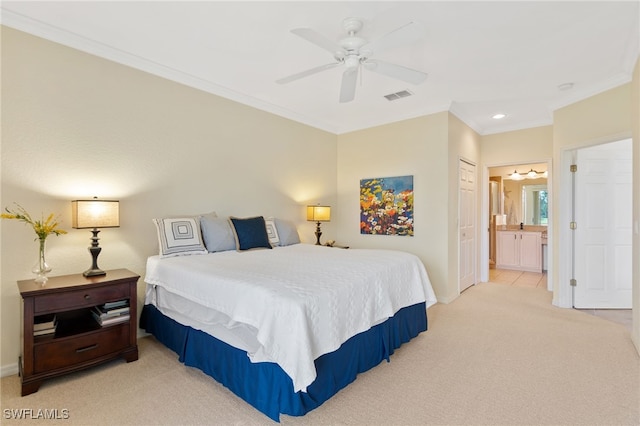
[[467, 224]]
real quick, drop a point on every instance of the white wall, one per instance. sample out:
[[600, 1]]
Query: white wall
[[75, 126]]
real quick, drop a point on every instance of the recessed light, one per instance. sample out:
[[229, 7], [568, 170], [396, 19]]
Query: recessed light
[[565, 86], [499, 116]]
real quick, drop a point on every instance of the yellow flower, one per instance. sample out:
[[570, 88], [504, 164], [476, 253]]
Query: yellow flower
[[42, 228]]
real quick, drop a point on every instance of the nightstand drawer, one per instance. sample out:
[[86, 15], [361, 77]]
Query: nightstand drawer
[[68, 352], [80, 298]]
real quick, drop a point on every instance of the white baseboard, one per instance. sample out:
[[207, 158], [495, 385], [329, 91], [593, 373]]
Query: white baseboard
[[9, 370], [447, 300]]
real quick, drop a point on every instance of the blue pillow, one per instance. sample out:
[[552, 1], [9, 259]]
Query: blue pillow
[[250, 233]]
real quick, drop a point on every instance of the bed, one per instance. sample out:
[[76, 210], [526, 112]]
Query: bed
[[285, 328]]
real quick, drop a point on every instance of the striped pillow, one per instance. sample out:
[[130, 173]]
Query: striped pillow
[[179, 236]]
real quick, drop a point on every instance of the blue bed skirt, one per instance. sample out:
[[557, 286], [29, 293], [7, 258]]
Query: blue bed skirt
[[265, 385]]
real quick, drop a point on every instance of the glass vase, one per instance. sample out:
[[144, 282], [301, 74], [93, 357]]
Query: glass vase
[[41, 268]]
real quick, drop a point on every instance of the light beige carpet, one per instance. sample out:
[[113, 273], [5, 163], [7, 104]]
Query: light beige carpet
[[498, 355]]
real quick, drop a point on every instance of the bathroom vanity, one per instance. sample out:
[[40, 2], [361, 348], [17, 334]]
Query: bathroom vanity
[[519, 250]]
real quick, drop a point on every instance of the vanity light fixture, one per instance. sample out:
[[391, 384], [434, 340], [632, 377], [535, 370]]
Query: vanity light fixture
[[515, 175], [531, 174]]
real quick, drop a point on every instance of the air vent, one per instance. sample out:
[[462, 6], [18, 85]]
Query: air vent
[[398, 95]]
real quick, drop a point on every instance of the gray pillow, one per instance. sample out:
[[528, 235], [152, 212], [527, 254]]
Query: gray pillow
[[217, 234], [287, 232]]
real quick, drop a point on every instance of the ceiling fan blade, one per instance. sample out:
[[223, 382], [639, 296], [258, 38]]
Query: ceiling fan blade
[[396, 71], [318, 39], [306, 73], [348, 88], [405, 34]]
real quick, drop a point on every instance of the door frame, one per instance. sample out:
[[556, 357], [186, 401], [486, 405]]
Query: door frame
[[484, 238]]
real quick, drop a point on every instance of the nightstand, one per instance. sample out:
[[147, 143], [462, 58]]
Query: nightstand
[[78, 341]]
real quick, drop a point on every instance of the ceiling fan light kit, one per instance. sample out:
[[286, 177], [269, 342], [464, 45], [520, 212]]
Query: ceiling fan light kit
[[354, 53]]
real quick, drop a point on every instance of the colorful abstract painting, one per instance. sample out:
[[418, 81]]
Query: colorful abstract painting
[[386, 206]]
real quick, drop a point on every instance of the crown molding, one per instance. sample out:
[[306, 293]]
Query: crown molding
[[101, 50]]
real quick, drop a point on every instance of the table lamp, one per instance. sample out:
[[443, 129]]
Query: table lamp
[[86, 214], [318, 214]]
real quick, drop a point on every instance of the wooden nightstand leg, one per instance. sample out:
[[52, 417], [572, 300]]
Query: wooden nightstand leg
[[131, 356], [30, 387]]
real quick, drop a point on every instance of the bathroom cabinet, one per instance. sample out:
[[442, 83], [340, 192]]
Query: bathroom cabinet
[[519, 250]]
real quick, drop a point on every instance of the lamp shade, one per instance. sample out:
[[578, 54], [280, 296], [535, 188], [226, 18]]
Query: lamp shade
[[319, 213], [95, 214]]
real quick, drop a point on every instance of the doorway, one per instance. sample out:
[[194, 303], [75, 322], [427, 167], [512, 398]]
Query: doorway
[[516, 193]]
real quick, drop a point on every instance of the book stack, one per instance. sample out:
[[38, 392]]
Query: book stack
[[111, 313], [44, 325]]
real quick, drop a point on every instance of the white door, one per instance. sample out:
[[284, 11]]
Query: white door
[[604, 221], [467, 224]]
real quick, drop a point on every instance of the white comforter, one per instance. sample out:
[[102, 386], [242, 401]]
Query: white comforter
[[303, 300]]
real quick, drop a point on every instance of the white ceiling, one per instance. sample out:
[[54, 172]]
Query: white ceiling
[[481, 57]]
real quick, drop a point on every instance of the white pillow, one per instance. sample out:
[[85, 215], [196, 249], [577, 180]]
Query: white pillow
[[272, 232], [179, 236]]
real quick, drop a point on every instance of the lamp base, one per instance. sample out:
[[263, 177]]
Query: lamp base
[[318, 234], [95, 250], [93, 272]]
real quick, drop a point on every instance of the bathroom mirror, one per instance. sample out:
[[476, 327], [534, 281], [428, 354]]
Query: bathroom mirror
[[535, 204]]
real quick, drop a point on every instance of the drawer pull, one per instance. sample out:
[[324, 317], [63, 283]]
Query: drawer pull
[[87, 297], [86, 348]]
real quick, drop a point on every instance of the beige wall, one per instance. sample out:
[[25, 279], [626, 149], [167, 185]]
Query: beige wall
[[517, 147], [464, 144], [605, 117], [635, 116], [75, 126], [412, 147]]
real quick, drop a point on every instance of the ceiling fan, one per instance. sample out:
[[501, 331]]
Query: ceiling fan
[[354, 52]]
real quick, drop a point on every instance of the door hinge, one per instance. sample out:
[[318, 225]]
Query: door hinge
[[573, 225], [573, 168], [573, 282]]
